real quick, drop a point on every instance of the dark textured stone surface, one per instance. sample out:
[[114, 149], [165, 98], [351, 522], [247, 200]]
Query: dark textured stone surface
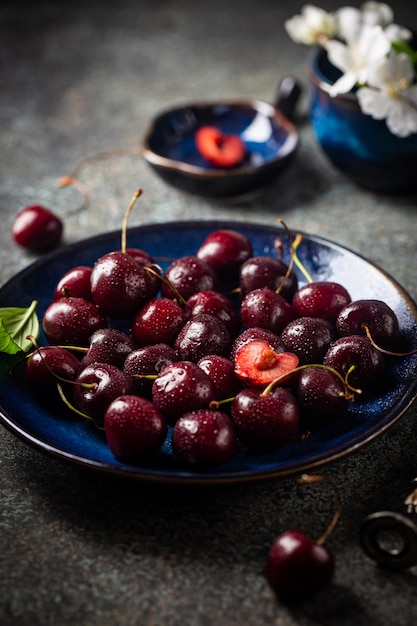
[[80, 548]]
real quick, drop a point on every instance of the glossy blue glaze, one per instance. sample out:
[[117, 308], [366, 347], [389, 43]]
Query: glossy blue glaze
[[55, 430], [174, 135], [270, 139], [361, 147]]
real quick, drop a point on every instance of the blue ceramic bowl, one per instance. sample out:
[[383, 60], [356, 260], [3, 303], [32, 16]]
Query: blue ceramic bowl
[[361, 147], [270, 137]]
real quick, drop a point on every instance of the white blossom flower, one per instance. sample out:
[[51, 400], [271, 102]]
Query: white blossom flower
[[349, 23], [351, 20], [374, 13], [394, 32], [356, 58], [311, 26], [390, 94], [373, 54]]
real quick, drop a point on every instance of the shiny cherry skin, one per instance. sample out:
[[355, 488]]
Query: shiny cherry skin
[[72, 321], [74, 284], [256, 334], [266, 309], [205, 438], [357, 352], [158, 321], [141, 256], [187, 275], [96, 386], [109, 345], [203, 334], [222, 372], [48, 365], [143, 364], [144, 259], [37, 229], [119, 285], [135, 429], [225, 250], [265, 423], [182, 387], [379, 318], [262, 271], [322, 299], [217, 304], [309, 338], [321, 396], [297, 566]]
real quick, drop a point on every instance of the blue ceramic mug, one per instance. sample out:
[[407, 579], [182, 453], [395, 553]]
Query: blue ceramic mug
[[361, 147]]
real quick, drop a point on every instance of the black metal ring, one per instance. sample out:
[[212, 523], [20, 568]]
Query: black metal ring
[[371, 533]]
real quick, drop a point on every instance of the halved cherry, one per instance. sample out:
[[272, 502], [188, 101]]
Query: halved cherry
[[257, 363], [221, 149]]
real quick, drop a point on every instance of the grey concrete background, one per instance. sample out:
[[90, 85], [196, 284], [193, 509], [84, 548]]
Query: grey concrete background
[[79, 548]]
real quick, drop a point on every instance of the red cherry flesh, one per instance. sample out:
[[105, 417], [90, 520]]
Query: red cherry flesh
[[220, 149]]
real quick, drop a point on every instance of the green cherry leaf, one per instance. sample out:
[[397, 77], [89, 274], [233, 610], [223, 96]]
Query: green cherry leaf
[[15, 326]]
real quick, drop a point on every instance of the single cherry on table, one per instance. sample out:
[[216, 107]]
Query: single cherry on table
[[297, 565], [37, 229]]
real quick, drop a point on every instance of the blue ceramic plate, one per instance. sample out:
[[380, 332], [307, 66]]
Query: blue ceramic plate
[[71, 438]]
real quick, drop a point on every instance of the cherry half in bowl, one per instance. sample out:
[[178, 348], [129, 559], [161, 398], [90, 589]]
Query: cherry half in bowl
[[269, 137]]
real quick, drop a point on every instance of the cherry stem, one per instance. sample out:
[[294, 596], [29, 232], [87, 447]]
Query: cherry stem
[[57, 376], [278, 244], [66, 181], [298, 239], [145, 376], [348, 389], [73, 408], [160, 274], [388, 352], [295, 242], [411, 500], [308, 479], [102, 156], [132, 203], [74, 348], [216, 404], [348, 373]]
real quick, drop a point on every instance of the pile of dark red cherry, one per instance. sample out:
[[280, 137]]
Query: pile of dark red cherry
[[212, 370]]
